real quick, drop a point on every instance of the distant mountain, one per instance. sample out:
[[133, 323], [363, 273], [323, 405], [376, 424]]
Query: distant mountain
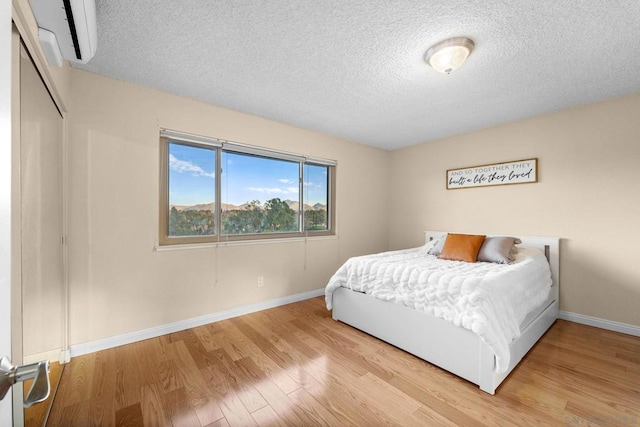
[[209, 207], [229, 207], [293, 204]]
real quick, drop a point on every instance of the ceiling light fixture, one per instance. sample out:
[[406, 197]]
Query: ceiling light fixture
[[449, 54]]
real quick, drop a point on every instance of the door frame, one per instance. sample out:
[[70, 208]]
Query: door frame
[[6, 56], [16, 237]]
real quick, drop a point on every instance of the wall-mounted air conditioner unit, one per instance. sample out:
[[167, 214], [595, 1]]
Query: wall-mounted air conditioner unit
[[67, 29]]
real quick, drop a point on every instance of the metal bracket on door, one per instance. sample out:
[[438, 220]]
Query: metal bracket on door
[[39, 372]]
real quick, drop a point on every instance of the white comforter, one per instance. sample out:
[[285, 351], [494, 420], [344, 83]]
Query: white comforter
[[489, 299]]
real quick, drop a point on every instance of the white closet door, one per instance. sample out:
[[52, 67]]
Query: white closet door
[[41, 219]]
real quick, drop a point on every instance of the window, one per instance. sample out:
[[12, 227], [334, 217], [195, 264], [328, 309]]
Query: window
[[316, 194], [192, 190], [215, 190]]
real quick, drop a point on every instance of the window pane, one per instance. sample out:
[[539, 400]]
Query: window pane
[[259, 194], [192, 190], [316, 196]]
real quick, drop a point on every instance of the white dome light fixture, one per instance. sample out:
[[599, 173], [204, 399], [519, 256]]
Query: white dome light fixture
[[449, 54]]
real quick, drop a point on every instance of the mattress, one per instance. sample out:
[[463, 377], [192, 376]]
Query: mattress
[[492, 300]]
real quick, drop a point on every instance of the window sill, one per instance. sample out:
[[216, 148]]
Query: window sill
[[222, 243]]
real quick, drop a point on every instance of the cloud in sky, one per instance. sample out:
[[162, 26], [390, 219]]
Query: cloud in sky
[[310, 184], [274, 190], [286, 181], [183, 166]]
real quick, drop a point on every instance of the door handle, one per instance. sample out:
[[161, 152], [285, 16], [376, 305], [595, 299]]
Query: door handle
[[39, 372]]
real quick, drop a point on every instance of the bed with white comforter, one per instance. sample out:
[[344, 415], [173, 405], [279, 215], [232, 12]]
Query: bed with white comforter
[[506, 307], [489, 299]]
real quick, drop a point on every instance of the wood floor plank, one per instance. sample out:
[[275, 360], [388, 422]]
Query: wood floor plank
[[347, 348], [238, 381], [158, 350], [178, 409], [617, 340], [267, 417], [425, 416], [208, 340], [300, 354], [78, 378], [447, 410], [103, 389], [153, 411], [220, 423], [199, 353], [265, 363], [235, 348], [169, 376], [127, 387], [575, 360], [294, 365], [274, 347], [605, 415], [340, 403], [266, 345], [155, 354], [226, 397], [397, 402], [74, 415], [129, 416], [147, 372], [338, 380], [279, 402], [314, 409], [200, 396], [610, 392]]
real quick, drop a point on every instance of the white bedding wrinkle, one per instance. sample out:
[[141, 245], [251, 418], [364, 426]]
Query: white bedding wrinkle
[[489, 299]]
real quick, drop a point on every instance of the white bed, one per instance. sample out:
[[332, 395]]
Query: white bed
[[439, 341]]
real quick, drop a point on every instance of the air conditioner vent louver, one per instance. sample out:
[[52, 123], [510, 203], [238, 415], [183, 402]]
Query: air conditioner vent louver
[[72, 28]]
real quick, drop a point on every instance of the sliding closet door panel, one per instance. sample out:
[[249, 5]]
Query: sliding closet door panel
[[41, 202]]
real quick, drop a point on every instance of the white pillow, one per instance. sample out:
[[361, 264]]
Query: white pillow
[[498, 249], [437, 248]]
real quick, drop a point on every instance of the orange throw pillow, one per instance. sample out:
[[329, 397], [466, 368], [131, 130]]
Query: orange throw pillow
[[462, 247]]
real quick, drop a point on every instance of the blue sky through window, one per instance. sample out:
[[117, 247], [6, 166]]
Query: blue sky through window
[[245, 178], [192, 172]]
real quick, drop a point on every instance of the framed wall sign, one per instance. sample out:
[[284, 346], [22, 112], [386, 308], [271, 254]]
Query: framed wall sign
[[516, 172]]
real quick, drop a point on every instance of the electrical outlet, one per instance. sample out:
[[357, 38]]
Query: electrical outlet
[[260, 281]]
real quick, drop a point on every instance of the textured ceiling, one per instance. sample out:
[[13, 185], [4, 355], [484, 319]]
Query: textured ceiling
[[355, 68]]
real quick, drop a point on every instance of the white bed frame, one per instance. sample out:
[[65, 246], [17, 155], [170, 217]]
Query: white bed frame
[[441, 343]]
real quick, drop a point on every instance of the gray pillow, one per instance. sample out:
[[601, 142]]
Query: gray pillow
[[437, 248], [500, 250]]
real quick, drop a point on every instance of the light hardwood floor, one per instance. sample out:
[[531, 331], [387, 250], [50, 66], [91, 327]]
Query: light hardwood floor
[[293, 365]]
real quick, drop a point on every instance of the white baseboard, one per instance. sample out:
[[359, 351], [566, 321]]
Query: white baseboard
[[610, 325], [131, 337], [56, 355], [65, 356]]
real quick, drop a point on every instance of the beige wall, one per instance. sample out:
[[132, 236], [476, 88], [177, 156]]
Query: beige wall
[[118, 284], [588, 194]]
